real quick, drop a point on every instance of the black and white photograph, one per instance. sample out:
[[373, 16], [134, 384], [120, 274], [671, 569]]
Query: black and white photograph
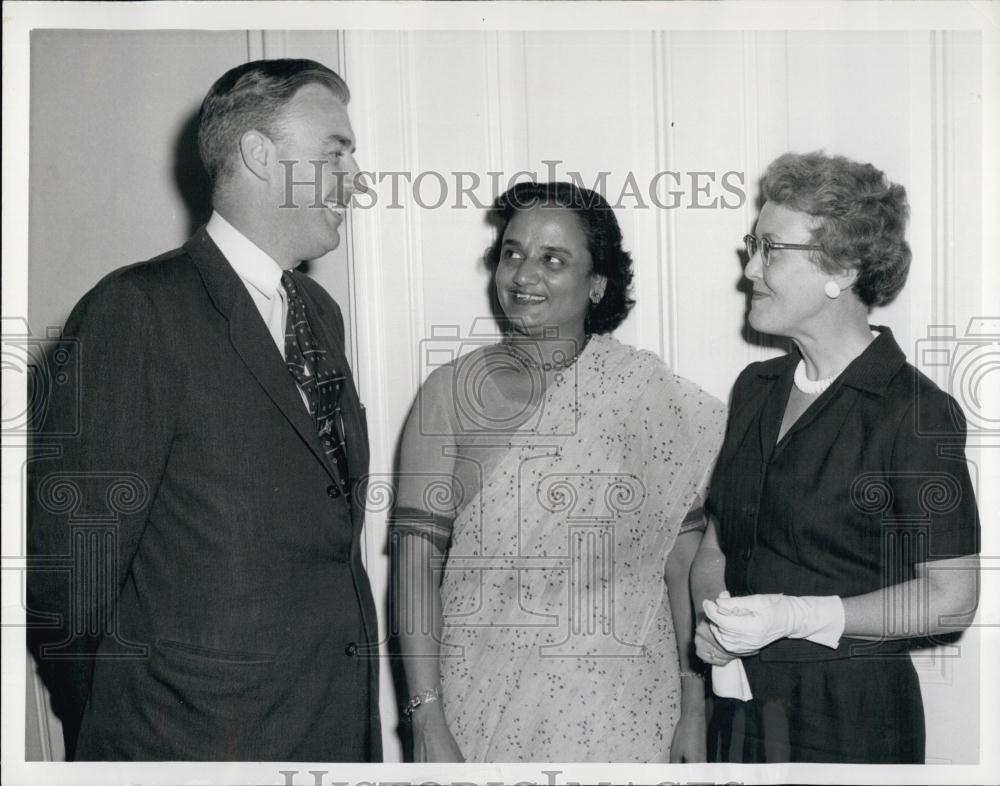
[[501, 392]]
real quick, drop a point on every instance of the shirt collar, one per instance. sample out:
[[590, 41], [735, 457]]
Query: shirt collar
[[874, 368], [870, 371], [250, 262]]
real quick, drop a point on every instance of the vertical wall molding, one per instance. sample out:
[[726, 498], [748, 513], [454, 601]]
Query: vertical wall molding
[[352, 291], [920, 179], [413, 251], [765, 124], [507, 113], [751, 132], [942, 185], [255, 44], [365, 234], [506, 116], [666, 245], [266, 44], [368, 549], [369, 308]]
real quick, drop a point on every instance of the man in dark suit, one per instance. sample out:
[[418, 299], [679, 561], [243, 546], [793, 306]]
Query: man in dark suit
[[196, 507]]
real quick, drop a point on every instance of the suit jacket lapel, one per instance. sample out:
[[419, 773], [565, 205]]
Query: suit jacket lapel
[[252, 341]]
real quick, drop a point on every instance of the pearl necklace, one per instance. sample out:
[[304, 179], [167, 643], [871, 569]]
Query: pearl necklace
[[529, 363], [811, 387]]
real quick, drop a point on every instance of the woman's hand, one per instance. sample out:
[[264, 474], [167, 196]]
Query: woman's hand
[[432, 741], [690, 734], [745, 624], [707, 648]]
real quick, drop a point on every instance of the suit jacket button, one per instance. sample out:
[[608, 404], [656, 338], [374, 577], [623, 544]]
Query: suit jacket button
[[747, 553], [351, 650], [332, 491]]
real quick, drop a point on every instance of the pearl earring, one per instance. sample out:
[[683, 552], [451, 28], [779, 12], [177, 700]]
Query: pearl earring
[[831, 289], [595, 297]]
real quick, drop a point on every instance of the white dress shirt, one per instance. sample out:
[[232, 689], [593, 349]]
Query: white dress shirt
[[260, 274]]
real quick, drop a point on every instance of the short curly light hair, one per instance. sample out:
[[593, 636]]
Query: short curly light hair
[[861, 218], [604, 242], [253, 96]]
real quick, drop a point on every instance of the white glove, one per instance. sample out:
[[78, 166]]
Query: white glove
[[748, 623], [730, 681]]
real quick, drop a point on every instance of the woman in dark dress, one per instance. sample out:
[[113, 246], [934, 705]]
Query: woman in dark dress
[[843, 518]]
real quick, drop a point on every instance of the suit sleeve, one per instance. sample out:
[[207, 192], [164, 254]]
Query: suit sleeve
[[96, 461]]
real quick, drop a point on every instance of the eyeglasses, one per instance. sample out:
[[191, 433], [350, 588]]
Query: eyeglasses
[[765, 246]]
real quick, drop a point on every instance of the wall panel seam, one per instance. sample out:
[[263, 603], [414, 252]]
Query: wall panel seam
[[665, 223]]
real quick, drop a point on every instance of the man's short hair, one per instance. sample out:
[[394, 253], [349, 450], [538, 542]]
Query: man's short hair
[[253, 96]]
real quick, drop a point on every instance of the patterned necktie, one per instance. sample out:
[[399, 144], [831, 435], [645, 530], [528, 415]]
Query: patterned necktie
[[319, 379]]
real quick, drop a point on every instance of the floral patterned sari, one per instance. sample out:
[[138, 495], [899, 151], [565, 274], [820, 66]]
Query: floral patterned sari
[[558, 642]]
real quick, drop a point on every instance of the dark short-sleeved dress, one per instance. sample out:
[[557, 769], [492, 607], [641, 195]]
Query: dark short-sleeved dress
[[868, 483]]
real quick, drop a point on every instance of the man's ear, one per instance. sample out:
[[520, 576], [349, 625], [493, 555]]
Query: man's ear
[[257, 153]]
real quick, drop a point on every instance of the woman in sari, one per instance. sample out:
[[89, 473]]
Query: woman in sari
[[548, 508], [843, 519]]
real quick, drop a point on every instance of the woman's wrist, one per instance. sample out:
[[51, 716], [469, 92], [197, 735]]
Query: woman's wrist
[[428, 719], [692, 690], [421, 700], [693, 702]]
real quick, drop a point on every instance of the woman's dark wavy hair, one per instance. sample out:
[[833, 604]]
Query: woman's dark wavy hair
[[861, 218], [604, 242]]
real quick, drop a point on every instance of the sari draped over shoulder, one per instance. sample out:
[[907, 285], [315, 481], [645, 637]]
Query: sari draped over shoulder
[[558, 642]]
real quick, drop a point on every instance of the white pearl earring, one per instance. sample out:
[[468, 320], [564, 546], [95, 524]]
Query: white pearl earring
[[831, 289]]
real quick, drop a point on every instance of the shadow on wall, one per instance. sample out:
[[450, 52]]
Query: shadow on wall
[[190, 176], [195, 190]]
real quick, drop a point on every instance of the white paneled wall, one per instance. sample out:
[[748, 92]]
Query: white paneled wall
[[634, 104]]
